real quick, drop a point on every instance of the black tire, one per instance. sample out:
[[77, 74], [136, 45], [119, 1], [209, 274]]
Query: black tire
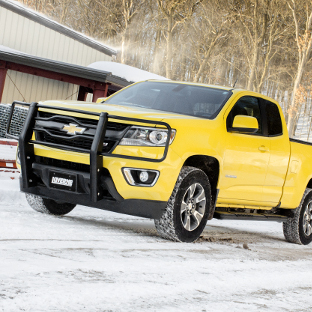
[[48, 206], [298, 229], [184, 220]]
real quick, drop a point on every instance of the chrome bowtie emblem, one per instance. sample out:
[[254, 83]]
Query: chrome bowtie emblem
[[73, 129]]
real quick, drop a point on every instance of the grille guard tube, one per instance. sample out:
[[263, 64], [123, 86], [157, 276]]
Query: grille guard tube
[[27, 150], [116, 118], [26, 145], [96, 161]]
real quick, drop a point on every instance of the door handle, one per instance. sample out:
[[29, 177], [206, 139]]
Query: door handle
[[263, 149]]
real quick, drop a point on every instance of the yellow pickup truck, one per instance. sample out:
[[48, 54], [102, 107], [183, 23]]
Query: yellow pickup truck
[[179, 153]]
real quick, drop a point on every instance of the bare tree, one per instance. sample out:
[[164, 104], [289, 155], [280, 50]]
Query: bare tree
[[175, 12], [209, 30], [303, 37]]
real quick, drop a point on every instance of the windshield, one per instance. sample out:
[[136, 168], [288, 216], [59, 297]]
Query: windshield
[[173, 97]]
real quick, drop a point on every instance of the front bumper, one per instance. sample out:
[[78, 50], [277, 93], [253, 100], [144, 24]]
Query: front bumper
[[110, 198]]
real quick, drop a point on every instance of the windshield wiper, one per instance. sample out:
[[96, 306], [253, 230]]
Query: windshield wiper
[[132, 104]]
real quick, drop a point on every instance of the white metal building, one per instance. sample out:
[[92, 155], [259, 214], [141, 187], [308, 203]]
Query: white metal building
[[40, 39]]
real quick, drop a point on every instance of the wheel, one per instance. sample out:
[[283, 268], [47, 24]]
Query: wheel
[[298, 229], [48, 206], [187, 210]]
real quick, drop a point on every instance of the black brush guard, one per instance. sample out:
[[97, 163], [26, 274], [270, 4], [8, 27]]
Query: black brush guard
[[26, 144]]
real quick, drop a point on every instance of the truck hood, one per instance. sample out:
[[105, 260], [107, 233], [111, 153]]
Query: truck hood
[[120, 110]]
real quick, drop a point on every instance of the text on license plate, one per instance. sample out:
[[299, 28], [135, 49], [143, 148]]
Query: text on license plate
[[62, 181]]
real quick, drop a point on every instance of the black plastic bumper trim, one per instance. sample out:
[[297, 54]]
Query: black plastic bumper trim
[[136, 207], [83, 180]]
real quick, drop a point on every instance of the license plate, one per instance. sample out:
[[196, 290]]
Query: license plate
[[63, 181]]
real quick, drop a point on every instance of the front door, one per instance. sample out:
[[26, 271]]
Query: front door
[[245, 159]]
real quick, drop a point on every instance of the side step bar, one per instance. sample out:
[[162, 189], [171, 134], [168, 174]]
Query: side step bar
[[249, 216]]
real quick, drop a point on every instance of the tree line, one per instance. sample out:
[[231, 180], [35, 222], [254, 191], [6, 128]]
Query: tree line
[[260, 45]]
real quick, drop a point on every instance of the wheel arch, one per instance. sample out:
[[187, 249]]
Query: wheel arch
[[309, 185], [210, 166]]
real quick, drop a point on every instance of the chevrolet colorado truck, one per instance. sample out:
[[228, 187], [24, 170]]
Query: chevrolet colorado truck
[[179, 153]]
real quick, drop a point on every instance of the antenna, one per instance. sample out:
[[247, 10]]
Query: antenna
[[235, 83]]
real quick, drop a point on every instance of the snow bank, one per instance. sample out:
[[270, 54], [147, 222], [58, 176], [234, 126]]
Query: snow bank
[[125, 71], [7, 152], [9, 187]]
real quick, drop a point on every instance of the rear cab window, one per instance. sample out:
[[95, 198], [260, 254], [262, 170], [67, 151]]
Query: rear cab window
[[274, 121]]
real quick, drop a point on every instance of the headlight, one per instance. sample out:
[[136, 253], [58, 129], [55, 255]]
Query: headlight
[[141, 136]]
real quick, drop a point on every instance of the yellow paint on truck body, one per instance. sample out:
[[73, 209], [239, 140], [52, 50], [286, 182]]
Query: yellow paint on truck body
[[253, 168], [298, 176]]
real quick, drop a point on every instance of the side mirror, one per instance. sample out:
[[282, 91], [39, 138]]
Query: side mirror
[[245, 124], [101, 100]]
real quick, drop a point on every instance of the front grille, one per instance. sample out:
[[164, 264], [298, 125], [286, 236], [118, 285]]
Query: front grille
[[110, 125], [81, 142], [48, 129]]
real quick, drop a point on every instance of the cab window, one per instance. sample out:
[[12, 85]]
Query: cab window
[[247, 106], [274, 120]]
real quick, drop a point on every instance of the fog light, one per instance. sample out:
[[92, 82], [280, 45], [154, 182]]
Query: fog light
[[143, 176], [140, 177]]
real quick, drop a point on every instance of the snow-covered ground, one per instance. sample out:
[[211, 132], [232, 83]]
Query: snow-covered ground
[[93, 260], [7, 152]]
